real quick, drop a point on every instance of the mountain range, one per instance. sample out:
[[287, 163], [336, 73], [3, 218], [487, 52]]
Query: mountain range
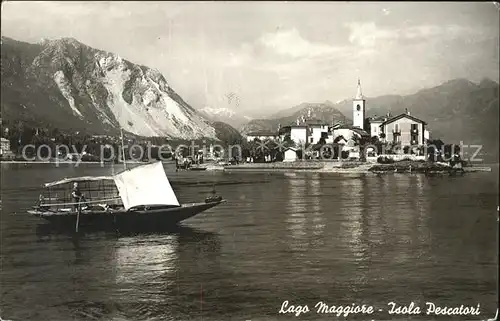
[[68, 85]]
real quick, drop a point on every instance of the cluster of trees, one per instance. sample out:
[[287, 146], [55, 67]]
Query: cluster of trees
[[439, 151], [434, 150], [57, 142], [21, 135], [258, 150]]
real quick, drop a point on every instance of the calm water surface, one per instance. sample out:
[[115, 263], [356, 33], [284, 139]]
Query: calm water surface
[[300, 237]]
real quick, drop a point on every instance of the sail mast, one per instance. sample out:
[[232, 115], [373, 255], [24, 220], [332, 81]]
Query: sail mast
[[123, 149]]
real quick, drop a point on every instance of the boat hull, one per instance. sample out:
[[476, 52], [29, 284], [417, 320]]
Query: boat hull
[[126, 219]]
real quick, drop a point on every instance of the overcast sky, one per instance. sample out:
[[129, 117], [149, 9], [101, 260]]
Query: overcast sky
[[278, 54]]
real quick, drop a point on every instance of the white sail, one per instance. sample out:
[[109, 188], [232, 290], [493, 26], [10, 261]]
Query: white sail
[[145, 185]]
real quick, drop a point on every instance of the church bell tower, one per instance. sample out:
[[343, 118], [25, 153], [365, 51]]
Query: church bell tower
[[358, 109]]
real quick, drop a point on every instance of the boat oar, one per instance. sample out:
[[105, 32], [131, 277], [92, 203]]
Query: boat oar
[[78, 216]]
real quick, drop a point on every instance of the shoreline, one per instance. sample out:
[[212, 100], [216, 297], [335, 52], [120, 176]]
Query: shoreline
[[77, 162], [353, 167], [341, 167]]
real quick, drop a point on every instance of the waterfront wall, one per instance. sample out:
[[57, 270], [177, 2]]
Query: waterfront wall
[[396, 157], [297, 165]]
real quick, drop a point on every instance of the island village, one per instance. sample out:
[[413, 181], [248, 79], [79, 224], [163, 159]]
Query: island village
[[389, 130], [306, 144], [390, 142]]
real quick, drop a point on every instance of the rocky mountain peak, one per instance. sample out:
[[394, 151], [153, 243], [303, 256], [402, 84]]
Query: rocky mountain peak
[[83, 87]]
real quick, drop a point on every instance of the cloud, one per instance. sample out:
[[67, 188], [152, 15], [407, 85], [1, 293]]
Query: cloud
[[291, 43], [369, 35], [208, 50]]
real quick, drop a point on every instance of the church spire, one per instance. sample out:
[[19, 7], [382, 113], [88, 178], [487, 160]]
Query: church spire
[[359, 94]]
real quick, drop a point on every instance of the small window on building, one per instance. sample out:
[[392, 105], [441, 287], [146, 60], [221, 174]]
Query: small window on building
[[396, 127]]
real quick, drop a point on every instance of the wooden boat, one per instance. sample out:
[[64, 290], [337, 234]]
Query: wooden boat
[[136, 197]]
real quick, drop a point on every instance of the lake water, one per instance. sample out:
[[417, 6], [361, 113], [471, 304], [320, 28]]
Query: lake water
[[300, 237]]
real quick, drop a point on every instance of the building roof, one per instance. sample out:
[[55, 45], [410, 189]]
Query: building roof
[[403, 115], [316, 122], [378, 119], [338, 138], [360, 132], [262, 133], [342, 126], [357, 130]]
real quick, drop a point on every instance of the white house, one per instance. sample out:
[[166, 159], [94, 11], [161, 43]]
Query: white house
[[290, 155], [317, 129], [427, 135], [375, 123], [5, 146], [297, 133], [404, 129]]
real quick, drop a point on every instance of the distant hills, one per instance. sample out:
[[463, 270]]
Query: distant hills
[[325, 112], [67, 85], [227, 133], [225, 115]]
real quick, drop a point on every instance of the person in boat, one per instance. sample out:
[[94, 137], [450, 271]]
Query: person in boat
[[77, 195]]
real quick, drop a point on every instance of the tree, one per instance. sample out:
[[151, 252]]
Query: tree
[[434, 148], [375, 141], [450, 150], [361, 142], [337, 146], [289, 142]]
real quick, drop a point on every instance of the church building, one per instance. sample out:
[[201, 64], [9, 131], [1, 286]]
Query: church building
[[403, 129], [357, 129]]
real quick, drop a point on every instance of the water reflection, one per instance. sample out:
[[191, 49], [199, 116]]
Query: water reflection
[[296, 210], [316, 210], [161, 276], [423, 210], [373, 206], [352, 219], [145, 258], [143, 273]]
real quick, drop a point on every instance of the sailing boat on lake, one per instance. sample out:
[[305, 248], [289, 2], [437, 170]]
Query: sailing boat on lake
[[141, 196]]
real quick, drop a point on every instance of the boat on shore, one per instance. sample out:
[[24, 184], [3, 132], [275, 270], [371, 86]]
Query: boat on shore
[[137, 197]]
